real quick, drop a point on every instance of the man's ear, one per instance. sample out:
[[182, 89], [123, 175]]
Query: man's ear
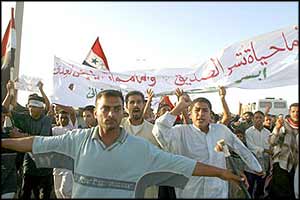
[[95, 113], [190, 115]]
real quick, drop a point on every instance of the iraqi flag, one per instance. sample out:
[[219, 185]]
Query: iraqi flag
[[8, 48], [96, 57]]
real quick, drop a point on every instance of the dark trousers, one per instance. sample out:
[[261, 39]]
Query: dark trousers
[[258, 191], [282, 183], [41, 186]]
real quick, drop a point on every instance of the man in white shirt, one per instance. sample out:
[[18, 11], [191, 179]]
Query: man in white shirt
[[257, 139], [197, 141], [63, 178]]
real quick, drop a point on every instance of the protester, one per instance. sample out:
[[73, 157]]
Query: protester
[[69, 109], [8, 163], [285, 154], [88, 116], [33, 123], [244, 122], [268, 122], [63, 178], [107, 161], [197, 141], [257, 138], [135, 123]]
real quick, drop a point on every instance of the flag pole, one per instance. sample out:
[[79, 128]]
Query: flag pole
[[18, 24]]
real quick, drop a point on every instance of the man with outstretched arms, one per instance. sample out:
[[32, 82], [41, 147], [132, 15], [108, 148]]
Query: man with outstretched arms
[[107, 162]]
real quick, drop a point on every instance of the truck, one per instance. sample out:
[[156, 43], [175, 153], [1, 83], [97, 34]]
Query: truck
[[278, 106]]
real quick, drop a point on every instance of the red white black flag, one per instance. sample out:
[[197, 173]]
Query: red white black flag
[[96, 57], [8, 48]]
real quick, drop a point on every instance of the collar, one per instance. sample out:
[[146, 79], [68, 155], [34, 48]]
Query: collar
[[198, 129], [121, 139]]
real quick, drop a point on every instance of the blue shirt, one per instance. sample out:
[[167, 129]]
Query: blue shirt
[[110, 172]]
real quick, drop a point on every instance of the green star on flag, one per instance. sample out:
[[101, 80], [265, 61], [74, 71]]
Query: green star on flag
[[94, 60]]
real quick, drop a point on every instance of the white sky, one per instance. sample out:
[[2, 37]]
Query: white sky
[[165, 34]]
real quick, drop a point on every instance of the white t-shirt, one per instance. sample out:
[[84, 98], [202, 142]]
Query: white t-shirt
[[60, 130]]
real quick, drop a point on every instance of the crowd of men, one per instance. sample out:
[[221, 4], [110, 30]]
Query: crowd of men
[[122, 146]]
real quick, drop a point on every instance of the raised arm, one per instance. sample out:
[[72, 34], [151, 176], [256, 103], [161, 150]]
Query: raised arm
[[167, 135], [150, 95], [183, 103], [10, 97], [278, 133], [185, 116], [47, 102], [68, 109], [226, 113]]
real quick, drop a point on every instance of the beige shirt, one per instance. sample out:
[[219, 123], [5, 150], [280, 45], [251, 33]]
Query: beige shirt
[[143, 130]]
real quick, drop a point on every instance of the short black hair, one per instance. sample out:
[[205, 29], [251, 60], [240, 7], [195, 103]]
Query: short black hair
[[294, 105], [259, 112], [239, 130], [110, 93], [202, 100], [89, 108], [249, 113], [134, 92]]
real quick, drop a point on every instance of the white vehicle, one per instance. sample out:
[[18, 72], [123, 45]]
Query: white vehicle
[[277, 106]]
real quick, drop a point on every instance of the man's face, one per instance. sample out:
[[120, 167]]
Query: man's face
[[240, 136], [247, 117], [89, 118], [268, 121], [294, 113], [35, 112], [135, 107], [63, 119], [200, 115], [109, 112], [258, 120]]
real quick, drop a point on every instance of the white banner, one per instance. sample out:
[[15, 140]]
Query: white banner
[[266, 61], [28, 83]]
